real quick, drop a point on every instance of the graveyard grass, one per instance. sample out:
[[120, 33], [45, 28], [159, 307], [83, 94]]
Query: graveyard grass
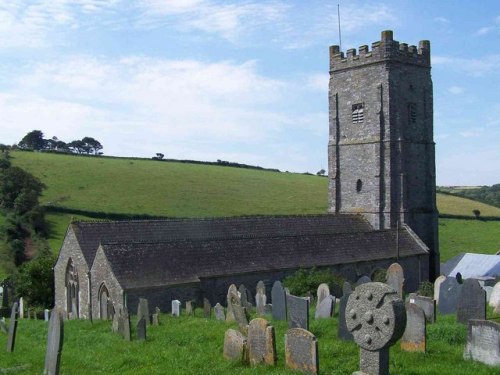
[[188, 345]]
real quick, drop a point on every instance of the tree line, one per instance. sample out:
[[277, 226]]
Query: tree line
[[35, 140]]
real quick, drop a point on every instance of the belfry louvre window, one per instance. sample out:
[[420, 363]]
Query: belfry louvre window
[[358, 113], [412, 113]]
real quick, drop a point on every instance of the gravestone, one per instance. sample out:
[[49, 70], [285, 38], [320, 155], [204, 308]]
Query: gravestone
[[235, 346], [297, 311], [322, 292], [261, 343], [46, 315], [483, 342], [336, 290], [326, 308], [141, 329], [121, 323], [363, 280], [126, 325], [301, 351], [114, 324], [189, 308], [261, 299], [3, 326], [376, 317], [156, 322], [471, 302], [495, 298], [143, 310], [207, 308], [219, 312], [437, 286], [55, 340], [233, 298], [346, 288], [176, 307], [448, 296], [414, 338], [243, 295], [11, 339], [278, 298], [427, 304], [21, 308], [241, 315], [343, 333], [395, 278]]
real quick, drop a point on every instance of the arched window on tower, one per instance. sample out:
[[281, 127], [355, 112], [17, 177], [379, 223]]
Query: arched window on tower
[[72, 290]]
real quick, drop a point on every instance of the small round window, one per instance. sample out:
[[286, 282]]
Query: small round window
[[359, 185]]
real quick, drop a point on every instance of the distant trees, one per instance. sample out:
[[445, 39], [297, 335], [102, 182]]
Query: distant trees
[[321, 172], [34, 141], [476, 213]]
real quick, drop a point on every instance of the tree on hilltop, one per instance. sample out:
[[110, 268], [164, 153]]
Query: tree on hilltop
[[91, 145], [33, 141]]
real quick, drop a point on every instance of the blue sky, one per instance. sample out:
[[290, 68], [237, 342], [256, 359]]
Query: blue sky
[[241, 81]]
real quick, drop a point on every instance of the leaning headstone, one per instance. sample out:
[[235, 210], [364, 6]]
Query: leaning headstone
[[21, 308], [376, 317], [189, 308], [298, 312], [471, 302], [141, 329], [156, 322], [346, 288], [261, 299], [326, 308], [261, 343], [235, 346], [301, 351], [176, 307], [46, 315], [427, 304], [448, 296], [55, 339], [414, 338], [278, 298], [483, 342], [343, 333], [233, 298], [322, 292], [495, 297], [219, 312], [11, 339], [240, 315], [395, 278], [437, 287], [207, 308], [143, 310]]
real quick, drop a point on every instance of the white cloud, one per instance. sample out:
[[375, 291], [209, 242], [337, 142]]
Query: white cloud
[[442, 20], [476, 67], [456, 90], [473, 132], [318, 81]]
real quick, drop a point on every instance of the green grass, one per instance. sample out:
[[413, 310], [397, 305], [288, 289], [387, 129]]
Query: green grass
[[453, 205], [189, 345]]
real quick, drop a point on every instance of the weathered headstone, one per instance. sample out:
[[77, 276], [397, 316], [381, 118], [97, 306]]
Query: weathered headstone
[[245, 297], [189, 308], [11, 339], [346, 288], [343, 333], [437, 287], [427, 304], [261, 343], [448, 296], [21, 308], [233, 298], [126, 325], [207, 308], [261, 299], [176, 307], [114, 324], [240, 315], [495, 298], [483, 342], [235, 346], [55, 339], [322, 292], [301, 351], [46, 315], [376, 317], [326, 308], [156, 321], [141, 329], [298, 312], [363, 280], [219, 312], [471, 302], [143, 310], [414, 338], [395, 278], [278, 298]]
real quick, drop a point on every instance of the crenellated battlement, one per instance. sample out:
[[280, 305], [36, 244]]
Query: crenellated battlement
[[385, 49]]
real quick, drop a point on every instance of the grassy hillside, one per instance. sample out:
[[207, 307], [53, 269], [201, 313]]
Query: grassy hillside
[[453, 205]]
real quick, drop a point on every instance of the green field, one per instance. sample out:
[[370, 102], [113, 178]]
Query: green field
[[188, 345]]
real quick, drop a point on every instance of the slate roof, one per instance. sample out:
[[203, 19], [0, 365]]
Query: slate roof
[[473, 266], [150, 264], [91, 233]]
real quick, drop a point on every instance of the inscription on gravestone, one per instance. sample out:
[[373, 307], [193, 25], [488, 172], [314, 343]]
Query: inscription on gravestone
[[471, 302], [298, 312], [483, 342], [261, 343], [11, 339], [301, 351], [278, 298], [55, 339]]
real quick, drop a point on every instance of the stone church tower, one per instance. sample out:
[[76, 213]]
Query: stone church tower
[[381, 147]]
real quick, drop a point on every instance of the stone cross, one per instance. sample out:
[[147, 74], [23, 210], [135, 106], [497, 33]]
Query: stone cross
[[395, 278], [326, 308], [11, 340], [471, 302], [261, 299], [279, 301], [301, 351], [219, 312], [143, 310], [233, 298], [261, 343], [437, 286], [141, 329], [376, 317], [207, 308], [176, 307], [235, 346], [55, 339], [414, 338], [322, 292], [298, 312], [483, 342], [448, 296]]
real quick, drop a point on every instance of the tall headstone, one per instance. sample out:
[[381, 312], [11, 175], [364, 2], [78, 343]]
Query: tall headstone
[[427, 304], [55, 340], [414, 338], [235, 346], [278, 298], [207, 308], [298, 312], [301, 351], [143, 310], [437, 287], [326, 308], [376, 317], [322, 292], [21, 308], [176, 307], [483, 342], [261, 343], [261, 298], [141, 329], [395, 278], [219, 312], [189, 308], [233, 298], [11, 339], [471, 302], [343, 333], [448, 296]]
